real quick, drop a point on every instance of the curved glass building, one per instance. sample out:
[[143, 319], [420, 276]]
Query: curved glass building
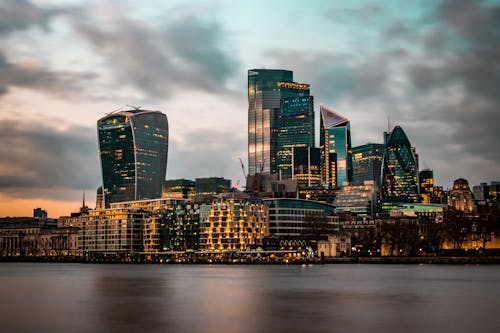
[[400, 172], [133, 147]]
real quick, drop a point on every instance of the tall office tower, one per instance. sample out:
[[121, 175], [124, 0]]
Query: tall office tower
[[295, 128], [399, 172], [133, 147], [335, 137], [306, 162], [266, 88], [367, 163]]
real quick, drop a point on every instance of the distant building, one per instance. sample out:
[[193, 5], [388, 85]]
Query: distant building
[[295, 128], [429, 194], [179, 188], [359, 199], [232, 224], [306, 163], [487, 192], [212, 185], [40, 214], [400, 173], [266, 89], [367, 162], [335, 137], [460, 197], [133, 147]]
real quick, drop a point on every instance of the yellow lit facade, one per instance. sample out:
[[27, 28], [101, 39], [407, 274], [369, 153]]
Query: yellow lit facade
[[232, 224]]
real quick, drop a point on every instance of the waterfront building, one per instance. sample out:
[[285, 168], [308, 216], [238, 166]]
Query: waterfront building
[[306, 162], [460, 198], [133, 148], [367, 162], [399, 172], [355, 198], [24, 236], [266, 89], [298, 223], [149, 226], [212, 185], [232, 224], [179, 188], [335, 246], [335, 137], [295, 128]]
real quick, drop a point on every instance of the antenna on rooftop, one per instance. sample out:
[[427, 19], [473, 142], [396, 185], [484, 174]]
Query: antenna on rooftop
[[134, 107]]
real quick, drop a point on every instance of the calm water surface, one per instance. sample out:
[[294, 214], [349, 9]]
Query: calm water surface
[[176, 298]]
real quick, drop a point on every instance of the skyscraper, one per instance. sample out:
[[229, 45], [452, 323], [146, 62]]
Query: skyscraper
[[335, 137], [295, 128], [306, 163], [266, 88], [367, 163], [133, 147], [400, 173]]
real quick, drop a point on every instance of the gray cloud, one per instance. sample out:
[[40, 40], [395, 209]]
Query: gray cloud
[[185, 54], [38, 158], [474, 71], [21, 14], [31, 74]]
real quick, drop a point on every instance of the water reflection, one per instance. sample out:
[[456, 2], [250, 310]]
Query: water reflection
[[330, 298]]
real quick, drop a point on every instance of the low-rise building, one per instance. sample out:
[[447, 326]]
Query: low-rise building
[[232, 224]]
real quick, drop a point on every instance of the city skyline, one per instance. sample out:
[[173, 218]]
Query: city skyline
[[431, 67]]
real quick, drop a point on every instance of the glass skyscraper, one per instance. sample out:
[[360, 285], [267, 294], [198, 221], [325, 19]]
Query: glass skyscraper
[[400, 173], [266, 89], [367, 163], [133, 147], [295, 128], [335, 137], [306, 166]]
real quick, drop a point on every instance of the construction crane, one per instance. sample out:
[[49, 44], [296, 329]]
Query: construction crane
[[243, 169]]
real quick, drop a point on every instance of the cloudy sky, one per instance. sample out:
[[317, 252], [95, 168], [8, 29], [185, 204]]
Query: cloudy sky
[[432, 67]]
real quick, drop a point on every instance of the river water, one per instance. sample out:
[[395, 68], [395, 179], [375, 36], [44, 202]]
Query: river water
[[190, 298]]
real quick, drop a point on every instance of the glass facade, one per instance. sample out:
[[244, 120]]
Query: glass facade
[[295, 128], [212, 185], [335, 137], [367, 163], [356, 198], [266, 88], [400, 174], [133, 147], [307, 166], [178, 188]]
